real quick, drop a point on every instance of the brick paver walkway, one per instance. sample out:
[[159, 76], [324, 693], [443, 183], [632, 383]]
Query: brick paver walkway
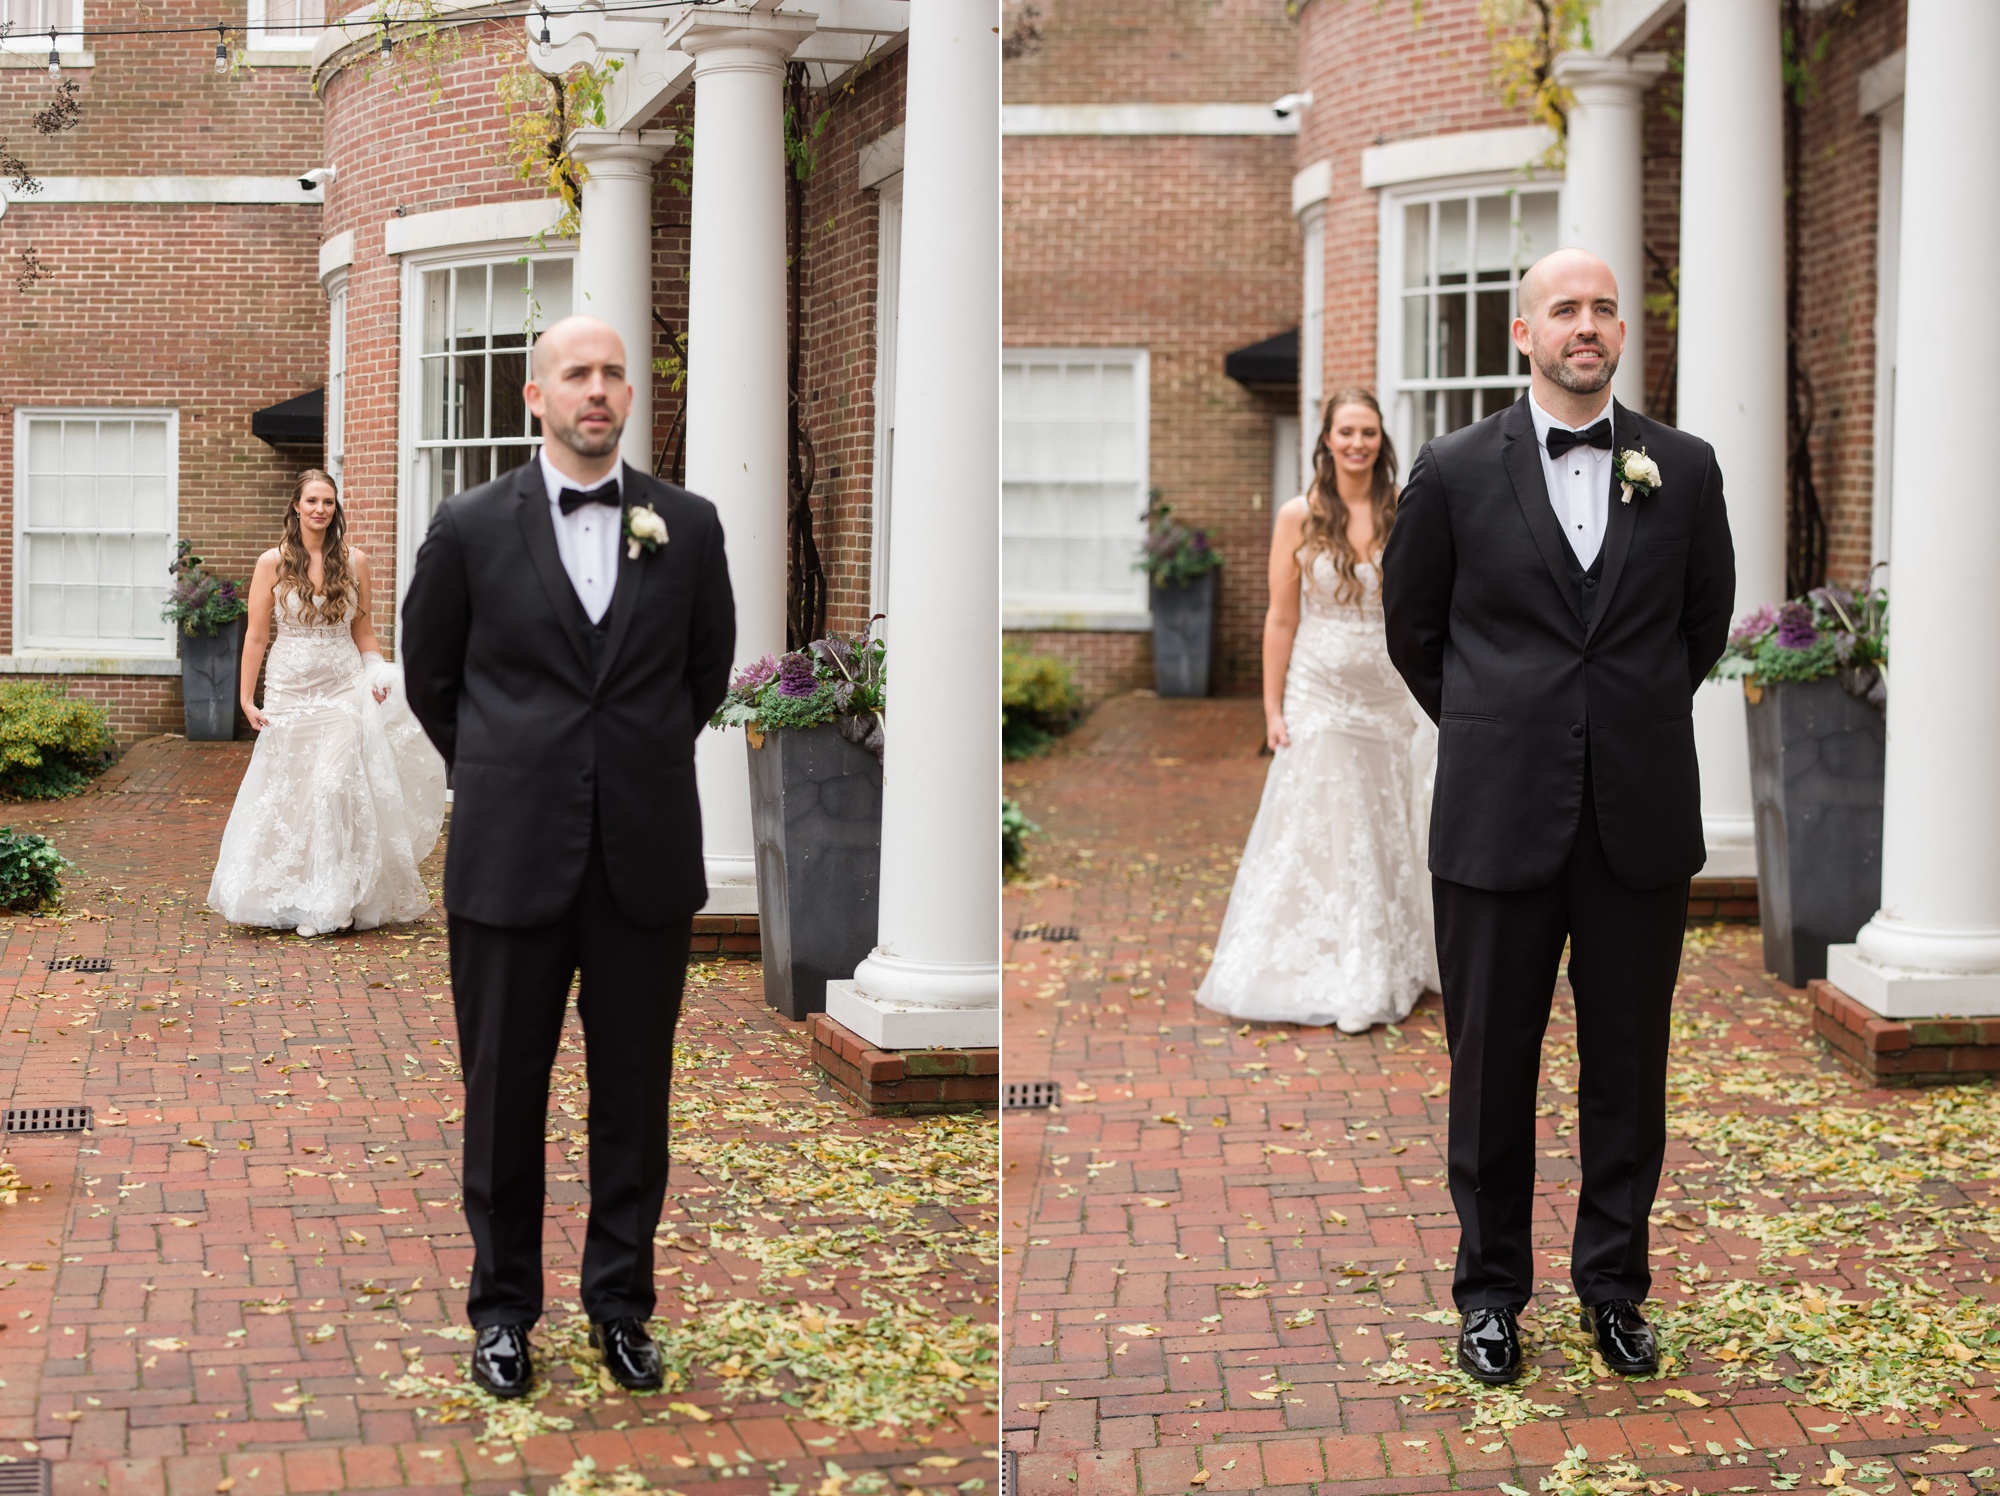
[[249, 1278], [1226, 1259]]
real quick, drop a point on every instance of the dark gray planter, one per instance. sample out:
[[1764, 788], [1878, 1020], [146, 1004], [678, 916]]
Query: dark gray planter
[[816, 813], [1816, 780], [1184, 636], [210, 664]]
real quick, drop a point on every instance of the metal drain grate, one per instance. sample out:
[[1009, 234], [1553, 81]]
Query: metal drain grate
[[78, 963], [1024, 1095], [24, 1478], [1050, 933], [44, 1119], [1010, 1473]]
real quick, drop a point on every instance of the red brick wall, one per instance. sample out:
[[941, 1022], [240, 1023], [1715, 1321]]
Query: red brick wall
[[138, 706], [1839, 187], [1150, 51], [1661, 145], [1104, 664]]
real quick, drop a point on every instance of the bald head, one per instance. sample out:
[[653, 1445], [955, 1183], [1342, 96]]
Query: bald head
[[1569, 330], [570, 335], [578, 389]]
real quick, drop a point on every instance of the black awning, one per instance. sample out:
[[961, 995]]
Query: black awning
[[1271, 364], [298, 422]]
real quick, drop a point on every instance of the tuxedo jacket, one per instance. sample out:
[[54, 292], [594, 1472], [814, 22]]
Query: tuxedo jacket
[[497, 659], [1486, 622]]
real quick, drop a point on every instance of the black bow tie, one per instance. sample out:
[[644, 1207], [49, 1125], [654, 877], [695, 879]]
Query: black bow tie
[[573, 499], [1560, 440]]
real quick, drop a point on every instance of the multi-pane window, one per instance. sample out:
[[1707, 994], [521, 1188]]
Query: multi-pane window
[[1461, 258], [25, 24], [336, 376], [94, 523], [475, 323], [286, 23], [1073, 469]]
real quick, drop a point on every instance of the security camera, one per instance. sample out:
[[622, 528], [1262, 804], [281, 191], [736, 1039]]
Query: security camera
[[1291, 103], [319, 176]]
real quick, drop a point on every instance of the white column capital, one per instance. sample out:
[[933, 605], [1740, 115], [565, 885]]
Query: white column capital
[[1592, 79], [729, 40], [620, 153]]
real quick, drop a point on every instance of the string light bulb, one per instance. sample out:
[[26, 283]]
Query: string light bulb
[[55, 57], [221, 50], [547, 42], [383, 51]]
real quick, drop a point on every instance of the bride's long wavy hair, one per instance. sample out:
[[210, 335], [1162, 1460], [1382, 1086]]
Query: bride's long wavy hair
[[1326, 515], [295, 562]]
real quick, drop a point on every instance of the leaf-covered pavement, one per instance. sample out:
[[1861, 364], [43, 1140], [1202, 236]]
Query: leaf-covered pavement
[[1268, 1204]]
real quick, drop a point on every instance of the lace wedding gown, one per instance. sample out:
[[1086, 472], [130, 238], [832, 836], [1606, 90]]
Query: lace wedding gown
[[1330, 919], [344, 797]]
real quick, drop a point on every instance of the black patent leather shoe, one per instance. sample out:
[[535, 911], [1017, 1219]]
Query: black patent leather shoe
[[1624, 1339], [500, 1361], [629, 1354], [1489, 1346]]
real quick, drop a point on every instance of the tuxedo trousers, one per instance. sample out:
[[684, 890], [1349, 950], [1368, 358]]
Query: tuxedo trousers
[[1498, 956], [510, 988]]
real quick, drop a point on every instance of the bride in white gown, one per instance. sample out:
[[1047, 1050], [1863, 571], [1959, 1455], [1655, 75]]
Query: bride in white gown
[[344, 796], [1330, 919]]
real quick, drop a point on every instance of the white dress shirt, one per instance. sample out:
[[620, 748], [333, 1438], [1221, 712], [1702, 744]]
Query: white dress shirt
[[1579, 483], [587, 538]]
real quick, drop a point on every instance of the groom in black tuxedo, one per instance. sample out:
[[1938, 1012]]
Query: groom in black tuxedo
[[1558, 583], [567, 632]]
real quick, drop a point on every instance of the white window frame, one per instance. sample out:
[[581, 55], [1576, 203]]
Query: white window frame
[[1135, 613], [165, 647], [336, 372], [1390, 383], [409, 525], [35, 41], [290, 42], [1312, 339], [888, 301]]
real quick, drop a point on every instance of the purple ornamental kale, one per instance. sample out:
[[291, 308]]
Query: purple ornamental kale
[[1754, 625], [1795, 627], [795, 677], [755, 674]]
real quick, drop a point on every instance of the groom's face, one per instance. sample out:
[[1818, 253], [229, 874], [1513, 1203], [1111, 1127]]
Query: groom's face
[[1570, 329], [579, 391]]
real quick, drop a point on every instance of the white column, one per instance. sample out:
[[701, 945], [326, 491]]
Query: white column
[[934, 978], [736, 385], [1935, 945], [1604, 187], [614, 258], [1732, 351]]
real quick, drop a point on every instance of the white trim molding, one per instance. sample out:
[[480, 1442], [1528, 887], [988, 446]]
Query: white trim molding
[[283, 191], [61, 664], [1312, 186], [336, 254], [1144, 119], [1622, 27], [1077, 623], [1882, 85], [1467, 153], [880, 159], [14, 55], [465, 228]]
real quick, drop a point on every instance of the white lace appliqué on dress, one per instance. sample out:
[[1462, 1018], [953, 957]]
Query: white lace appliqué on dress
[[344, 797], [1330, 918]]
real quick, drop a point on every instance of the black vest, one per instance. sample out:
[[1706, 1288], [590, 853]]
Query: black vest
[[1585, 580]]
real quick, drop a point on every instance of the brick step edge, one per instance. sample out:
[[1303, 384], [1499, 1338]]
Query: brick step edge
[[733, 937], [1731, 900], [903, 1082], [1898, 1052]]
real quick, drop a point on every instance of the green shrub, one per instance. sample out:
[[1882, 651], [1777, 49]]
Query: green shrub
[[1039, 702], [31, 871], [1015, 829], [50, 744]]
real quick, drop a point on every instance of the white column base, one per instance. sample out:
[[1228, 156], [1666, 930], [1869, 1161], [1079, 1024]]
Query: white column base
[[1722, 748], [1732, 846], [1898, 992], [732, 884], [889, 1024]]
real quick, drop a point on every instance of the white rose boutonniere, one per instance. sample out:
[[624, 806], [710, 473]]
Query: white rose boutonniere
[[1636, 473], [644, 530]]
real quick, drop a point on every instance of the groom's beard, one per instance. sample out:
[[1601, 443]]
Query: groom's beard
[[1575, 380], [584, 446]]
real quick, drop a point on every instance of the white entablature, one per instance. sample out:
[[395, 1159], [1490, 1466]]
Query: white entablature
[[833, 38]]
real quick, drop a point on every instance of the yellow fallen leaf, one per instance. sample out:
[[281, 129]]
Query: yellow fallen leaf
[[178, 1221], [1952, 1449], [1199, 1478], [226, 1484], [689, 1410], [939, 1462], [1140, 1330], [1265, 1396], [1680, 1449], [683, 1461], [168, 1344], [1693, 1400], [1336, 1217], [1152, 1204]]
